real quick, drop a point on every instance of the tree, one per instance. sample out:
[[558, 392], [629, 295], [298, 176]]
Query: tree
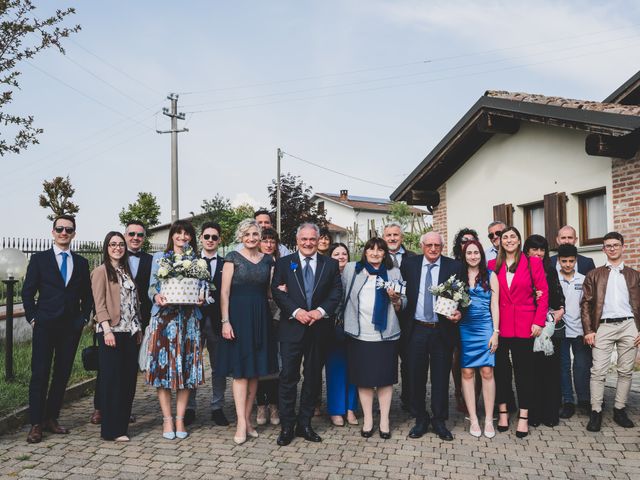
[[296, 206], [219, 210], [57, 196], [22, 36], [146, 210], [400, 212]]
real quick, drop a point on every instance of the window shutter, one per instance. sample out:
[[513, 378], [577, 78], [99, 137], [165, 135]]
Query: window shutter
[[555, 216], [503, 213]]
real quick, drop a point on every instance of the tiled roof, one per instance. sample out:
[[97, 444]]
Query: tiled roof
[[373, 204], [566, 102]]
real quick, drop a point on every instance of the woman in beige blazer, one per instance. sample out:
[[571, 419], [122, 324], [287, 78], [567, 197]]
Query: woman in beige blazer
[[119, 333]]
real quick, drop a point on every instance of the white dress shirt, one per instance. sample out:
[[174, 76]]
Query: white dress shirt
[[572, 290], [616, 299], [134, 263], [491, 253], [435, 272], [312, 264], [57, 251]]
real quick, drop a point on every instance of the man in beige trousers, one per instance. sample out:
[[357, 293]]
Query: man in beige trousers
[[610, 311]]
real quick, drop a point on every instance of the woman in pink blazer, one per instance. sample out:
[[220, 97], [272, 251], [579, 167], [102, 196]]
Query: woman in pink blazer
[[522, 317]]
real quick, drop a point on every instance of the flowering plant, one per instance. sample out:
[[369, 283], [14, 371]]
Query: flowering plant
[[293, 266], [185, 265], [398, 286], [453, 289]]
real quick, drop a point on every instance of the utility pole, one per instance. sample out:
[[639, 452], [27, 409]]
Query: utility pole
[[175, 116], [278, 191]]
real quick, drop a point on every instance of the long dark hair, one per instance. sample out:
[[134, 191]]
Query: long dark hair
[[271, 234], [182, 226], [483, 273], [502, 255], [112, 275], [538, 241], [382, 245], [457, 242]]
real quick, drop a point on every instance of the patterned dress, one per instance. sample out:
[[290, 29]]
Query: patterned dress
[[175, 352]]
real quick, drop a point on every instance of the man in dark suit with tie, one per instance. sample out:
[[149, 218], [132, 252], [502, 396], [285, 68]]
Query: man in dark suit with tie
[[59, 279], [431, 336], [140, 266], [567, 236], [313, 291], [211, 326]]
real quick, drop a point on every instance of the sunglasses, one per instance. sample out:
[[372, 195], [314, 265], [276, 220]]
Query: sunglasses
[[135, 234], [68, 230], [212, 237], [495, 234]]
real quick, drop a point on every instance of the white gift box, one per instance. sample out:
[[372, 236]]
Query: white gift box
[[183, 291], [445, 306]]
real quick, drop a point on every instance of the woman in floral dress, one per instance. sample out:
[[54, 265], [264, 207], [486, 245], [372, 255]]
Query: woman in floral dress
[[175, 355]]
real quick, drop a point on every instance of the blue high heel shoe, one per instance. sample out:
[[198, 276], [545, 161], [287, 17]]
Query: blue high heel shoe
[[181, 435], [168, 435]]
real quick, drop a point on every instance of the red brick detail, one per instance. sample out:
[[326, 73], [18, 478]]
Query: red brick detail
[[440, 215], [625, 176]]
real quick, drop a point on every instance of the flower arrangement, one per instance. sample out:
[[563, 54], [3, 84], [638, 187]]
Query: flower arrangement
[[185, 265], [453, 289], [398, 286]]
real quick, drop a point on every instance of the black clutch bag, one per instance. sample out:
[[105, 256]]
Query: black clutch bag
[[90, 356]]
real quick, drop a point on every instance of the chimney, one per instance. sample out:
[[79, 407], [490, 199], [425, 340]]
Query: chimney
[[344, 195]]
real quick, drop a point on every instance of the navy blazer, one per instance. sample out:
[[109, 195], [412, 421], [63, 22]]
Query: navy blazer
[[585, 264], [142, 279], [411, 270], [327, 293], [212, 310], [57, 305]]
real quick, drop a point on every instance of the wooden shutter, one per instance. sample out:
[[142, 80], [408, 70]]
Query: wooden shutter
[[555, 216], [503, 213]]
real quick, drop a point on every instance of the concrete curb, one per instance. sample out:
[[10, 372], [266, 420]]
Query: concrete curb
[[20, 417]]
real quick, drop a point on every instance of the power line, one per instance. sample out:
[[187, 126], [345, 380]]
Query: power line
[[337, 172]]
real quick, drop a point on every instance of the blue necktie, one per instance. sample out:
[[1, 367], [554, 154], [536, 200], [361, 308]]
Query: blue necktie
[[63, 267], [428, 296], [308, 281]]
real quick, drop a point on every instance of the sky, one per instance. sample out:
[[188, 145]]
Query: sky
[[365, 88]]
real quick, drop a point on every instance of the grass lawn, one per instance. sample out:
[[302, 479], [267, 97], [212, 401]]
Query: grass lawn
[[15, 394]]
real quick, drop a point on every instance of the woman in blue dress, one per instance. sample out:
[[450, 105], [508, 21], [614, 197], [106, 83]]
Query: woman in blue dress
[[479, 336]]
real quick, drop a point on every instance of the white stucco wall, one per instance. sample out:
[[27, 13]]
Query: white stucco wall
[[345, 217], [520, 169]]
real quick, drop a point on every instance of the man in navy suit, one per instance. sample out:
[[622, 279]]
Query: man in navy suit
[[313, 291], [211, 326], [60, 280], [431, 337], [140, 266], [567, 236]]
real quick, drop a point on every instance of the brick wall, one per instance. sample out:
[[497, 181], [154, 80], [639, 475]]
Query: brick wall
[[625, 176], [440, 216]]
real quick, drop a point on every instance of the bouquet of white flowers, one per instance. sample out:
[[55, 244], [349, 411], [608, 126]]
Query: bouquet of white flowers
[[451, 294], [183, 277]]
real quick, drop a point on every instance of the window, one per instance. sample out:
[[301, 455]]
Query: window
[[593, 217], [321, 207], [534, 219]]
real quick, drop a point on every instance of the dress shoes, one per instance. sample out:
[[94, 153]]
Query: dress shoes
[[442, 432], [595, 421], [189, 416], [366, 433], [307, 433], [385, 435], [35, 434], [218, 418], [418, 430], [620, 417], [96, 418], [54, 427], [285, 437], [567, 410]]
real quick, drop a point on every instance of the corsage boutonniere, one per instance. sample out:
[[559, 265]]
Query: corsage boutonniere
[[293, 266]]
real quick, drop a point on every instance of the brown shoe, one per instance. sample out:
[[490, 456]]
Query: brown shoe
[[96, 418], [54, 427], [35, 434]]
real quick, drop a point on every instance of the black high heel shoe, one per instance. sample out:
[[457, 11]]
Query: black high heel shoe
[[520, 434], [501, 428], [366, 433], [385, 435]]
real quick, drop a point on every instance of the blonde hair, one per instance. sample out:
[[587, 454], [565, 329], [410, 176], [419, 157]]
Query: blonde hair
[[244, 226]]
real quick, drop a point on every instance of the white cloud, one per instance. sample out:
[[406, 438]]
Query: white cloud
[[244, 198]]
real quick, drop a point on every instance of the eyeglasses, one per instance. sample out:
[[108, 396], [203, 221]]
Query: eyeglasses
[[611, 246], [465, 240], [135, 234], [212, 237], [268, 241], [116, 245], [434, 246], [68, 230], [495, 234]]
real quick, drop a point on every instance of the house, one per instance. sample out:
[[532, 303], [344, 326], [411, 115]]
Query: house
[[364, 217], [538, 162]]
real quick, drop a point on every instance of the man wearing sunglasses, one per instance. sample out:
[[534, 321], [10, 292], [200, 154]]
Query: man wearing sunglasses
[[211, 325], [57, 301], [494, 230]]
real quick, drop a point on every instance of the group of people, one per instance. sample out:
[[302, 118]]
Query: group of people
[[269, 313]]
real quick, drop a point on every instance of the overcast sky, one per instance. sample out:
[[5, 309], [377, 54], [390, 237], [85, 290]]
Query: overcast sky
[[363, 87]]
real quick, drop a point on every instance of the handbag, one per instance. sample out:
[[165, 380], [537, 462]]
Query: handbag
[[542, 342], [143, 353], [90, 356]]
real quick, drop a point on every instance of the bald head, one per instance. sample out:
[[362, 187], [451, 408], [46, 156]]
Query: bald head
[[431, 244], [567, 236]]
